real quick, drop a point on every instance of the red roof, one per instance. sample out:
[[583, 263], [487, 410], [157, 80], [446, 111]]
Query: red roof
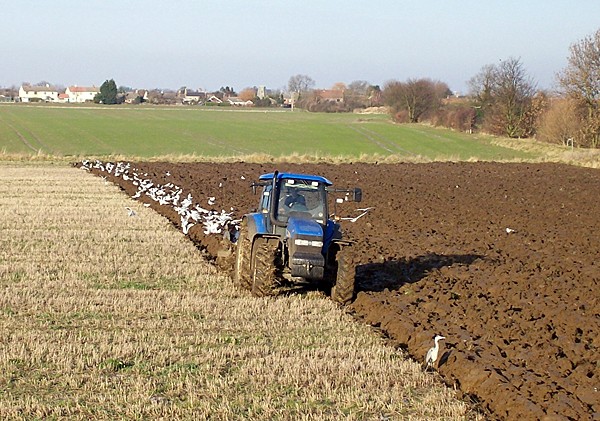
[[331, 93], [82, 89]]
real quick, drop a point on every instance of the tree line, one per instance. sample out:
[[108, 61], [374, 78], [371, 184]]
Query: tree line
[[503, 100]]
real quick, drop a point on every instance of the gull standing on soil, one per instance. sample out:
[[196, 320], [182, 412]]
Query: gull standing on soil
[[432, 354], [130, 212]]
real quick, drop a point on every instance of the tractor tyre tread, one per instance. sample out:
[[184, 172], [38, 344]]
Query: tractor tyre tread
[[264, 267], [342, 291]]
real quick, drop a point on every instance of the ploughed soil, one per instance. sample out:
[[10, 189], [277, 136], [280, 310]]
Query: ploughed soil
[[501, 259]]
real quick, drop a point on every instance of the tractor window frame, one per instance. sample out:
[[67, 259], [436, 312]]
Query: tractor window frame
[[317, 213]]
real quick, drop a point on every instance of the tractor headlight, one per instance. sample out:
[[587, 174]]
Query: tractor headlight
[[310, 243]]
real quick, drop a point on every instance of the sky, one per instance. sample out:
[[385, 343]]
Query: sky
[[208, 44]]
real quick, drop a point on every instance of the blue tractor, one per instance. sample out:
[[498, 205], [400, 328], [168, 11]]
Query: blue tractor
[[291, 237]]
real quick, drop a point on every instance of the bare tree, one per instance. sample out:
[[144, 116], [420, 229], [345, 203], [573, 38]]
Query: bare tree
[[482, 84], [560, 124], [339, 86], [248, 94], [359, 87], [300, 84], [580, 81], [505, 93], [357, 94], [414, 98]]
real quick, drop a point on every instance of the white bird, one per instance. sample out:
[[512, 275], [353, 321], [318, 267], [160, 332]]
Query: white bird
[[187, 202], [432, 354], [509, 230], [167, 173], [211, 201], [201, 209], [186, 224], [130, 212], [356, 217]]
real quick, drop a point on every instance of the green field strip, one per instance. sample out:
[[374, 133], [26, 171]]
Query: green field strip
[[18, 135], [147, 131]]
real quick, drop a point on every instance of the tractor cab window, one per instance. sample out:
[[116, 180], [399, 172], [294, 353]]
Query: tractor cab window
[[265, 199], [301, 198]]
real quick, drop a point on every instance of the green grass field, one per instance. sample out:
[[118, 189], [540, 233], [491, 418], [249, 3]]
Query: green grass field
[[145, 131]]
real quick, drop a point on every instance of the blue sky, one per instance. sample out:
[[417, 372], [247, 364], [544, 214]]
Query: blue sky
[[240, 43]]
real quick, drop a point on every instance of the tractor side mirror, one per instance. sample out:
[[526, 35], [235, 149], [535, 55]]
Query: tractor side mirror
[[357, 196], [256, 185]]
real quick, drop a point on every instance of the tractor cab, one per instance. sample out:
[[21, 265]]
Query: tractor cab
[[288, 195]]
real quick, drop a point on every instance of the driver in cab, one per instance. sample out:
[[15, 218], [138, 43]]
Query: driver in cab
[[294, 199]]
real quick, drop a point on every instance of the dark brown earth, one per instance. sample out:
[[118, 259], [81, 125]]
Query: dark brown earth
[[520, 309]]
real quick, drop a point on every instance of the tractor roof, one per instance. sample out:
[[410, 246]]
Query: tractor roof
[[285, 175]]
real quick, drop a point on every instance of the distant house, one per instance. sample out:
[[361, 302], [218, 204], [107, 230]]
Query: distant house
[[46, 93], [6, 98], [81, 93], [132, 98], [213, 99], [234, 100], [331, 95], [161, 97], [193, 97], [136, 97]]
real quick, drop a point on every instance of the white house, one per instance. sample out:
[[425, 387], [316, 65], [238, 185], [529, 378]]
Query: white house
[[193, 97], [47, 93], [214, 99], [81, 93], [234, 100]]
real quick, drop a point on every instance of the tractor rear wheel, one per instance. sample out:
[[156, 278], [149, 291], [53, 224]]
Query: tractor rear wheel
[[241, 274], [264, 267], [343, 290]]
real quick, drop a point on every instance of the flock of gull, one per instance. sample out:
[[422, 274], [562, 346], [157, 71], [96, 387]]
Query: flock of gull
[[191, 213]]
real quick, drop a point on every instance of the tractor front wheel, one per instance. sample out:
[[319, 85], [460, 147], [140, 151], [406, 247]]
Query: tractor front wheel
[[264, 267], [343, 290]]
